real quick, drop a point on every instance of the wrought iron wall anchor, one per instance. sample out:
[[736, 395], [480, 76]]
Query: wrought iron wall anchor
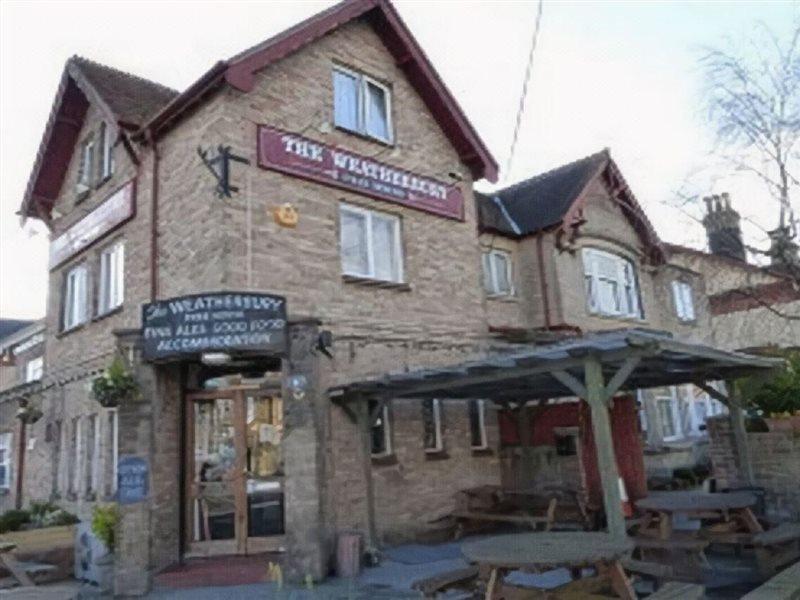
[[219, 165]]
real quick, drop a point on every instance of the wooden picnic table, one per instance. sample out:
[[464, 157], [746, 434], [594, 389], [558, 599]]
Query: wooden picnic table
[[497, 555], [731, 512]]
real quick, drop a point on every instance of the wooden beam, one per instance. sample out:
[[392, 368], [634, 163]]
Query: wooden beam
[[621, 376], [713, 392], [604, 445], [739, 433], [570, 382]]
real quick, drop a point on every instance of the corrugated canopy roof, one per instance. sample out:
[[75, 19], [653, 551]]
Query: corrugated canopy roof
[[527, 374]]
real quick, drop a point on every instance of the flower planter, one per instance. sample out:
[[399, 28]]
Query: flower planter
[[782, 423]]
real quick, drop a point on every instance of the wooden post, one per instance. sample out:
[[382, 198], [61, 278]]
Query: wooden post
[[606, 461], [739, 434]]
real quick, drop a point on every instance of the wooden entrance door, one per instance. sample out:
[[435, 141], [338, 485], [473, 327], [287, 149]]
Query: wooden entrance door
[[234, 481]]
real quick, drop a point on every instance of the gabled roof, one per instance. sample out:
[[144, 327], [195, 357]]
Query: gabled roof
[[555, 200], [240, 70], [11, 326], [125, 100]]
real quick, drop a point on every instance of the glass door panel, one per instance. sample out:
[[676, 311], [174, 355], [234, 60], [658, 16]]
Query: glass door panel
[[264, 464], [214, 470]]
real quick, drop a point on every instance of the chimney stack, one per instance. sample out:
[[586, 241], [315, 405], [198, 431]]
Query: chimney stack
[[783, 251], [723, 227]]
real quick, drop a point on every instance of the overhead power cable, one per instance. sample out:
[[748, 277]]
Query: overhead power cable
[[524, 95]]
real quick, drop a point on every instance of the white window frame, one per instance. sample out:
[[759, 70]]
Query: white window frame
[[6, 441], [387, 433], [34, 369], [673, 401], [88, 147], [590, 256], [108, 156], [683, 298], [436, 411], [92, 453], [76, 456], [490, 272], [112, 422], [75, 310], [481, 404], [368, 216], [362, 117], [112, 277]]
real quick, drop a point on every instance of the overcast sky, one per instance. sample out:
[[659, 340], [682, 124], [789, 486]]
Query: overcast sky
[[617, 74]]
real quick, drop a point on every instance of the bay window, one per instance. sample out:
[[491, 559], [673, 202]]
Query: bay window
[[684, 301], [611, 285], [75, 297], [370, 244], [361, 104], [497, 273], [112, 278]]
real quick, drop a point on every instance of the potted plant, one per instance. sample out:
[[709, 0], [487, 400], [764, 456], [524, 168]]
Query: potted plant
[[115, 385], [777, 397], [28, 414]]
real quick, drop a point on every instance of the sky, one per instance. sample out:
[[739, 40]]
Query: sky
[[622, 75]]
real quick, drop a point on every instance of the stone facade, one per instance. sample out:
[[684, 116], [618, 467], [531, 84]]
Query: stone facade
[[775, 456]]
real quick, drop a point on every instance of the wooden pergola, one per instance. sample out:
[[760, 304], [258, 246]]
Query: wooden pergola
[[593, 367]]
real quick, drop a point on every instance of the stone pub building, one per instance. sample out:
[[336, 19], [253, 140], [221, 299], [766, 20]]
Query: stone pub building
[[324, 231], [300, 218]]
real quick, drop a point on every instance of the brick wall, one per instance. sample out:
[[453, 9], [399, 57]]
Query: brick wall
[[775, 457]]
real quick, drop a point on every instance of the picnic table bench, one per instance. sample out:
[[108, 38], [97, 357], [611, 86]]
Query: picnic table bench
[[783, 586], [678, 591], [777, 547]]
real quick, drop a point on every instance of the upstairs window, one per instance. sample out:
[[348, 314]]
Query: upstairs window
[[86, 168], [361, 104], [75, 296], [684, 300], [112, 278], [5, 461], [611, 285], [34, 369], [497, 273], [370, 244], [106, 156]]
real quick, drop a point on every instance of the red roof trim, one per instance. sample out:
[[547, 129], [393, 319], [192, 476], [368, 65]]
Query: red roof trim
[[408, 55], [759, 296]]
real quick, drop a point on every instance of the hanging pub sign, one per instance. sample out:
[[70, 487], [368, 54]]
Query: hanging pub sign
[[229, 322], [302, 157], [111, 213]]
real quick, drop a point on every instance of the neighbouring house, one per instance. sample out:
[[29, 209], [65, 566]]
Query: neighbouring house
[[299, 220], [571, 250], [21, 367]]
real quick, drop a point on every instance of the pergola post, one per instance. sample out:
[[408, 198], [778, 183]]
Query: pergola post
[[739, 433], [603, 442], [365, 423]]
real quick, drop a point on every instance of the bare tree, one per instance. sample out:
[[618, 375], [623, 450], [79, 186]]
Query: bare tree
[[753, 95]]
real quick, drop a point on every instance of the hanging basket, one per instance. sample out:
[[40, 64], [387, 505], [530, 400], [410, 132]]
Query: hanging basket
[[29, 414], [114, 386]]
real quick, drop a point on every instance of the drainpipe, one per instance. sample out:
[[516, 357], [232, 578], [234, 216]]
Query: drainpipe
[[20, 464], [154, 218], [543, 279]]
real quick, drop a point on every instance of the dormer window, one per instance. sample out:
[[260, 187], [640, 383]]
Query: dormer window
[[611, 286], [684, 300], [361, 105]]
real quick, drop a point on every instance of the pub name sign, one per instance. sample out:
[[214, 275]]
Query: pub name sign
[[230, 322], [303, 157], [111, 213]]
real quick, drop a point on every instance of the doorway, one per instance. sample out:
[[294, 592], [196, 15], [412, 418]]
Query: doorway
[[234, 472]]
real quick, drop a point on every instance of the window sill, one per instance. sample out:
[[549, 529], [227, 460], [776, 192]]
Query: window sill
[[81, 196], [688, 322], [108, 313], [436, 454], [376, 283], [65, 332], [503, 297], [624, 318], [384, 460], [365, 136]]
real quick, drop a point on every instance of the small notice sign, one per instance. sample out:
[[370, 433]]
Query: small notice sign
[[133, 476]]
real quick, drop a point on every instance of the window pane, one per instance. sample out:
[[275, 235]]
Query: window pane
[[345, 100], [488, 281], [667, 418], [384, 248], [378, 433], [607, 296], [354, 243], [476, 424], [377, 112], [501, 273]]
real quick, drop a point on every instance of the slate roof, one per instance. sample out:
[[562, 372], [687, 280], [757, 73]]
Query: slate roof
[[541, 201], [131, 98], [11, 326]]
